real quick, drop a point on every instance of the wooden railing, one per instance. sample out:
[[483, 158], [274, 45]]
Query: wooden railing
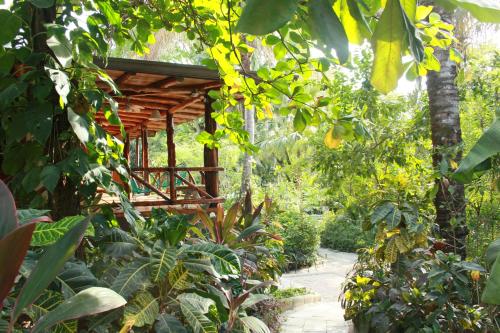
[[179, 185]]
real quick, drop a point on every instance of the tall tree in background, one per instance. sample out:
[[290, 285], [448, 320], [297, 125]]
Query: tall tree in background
[[447, 143], [249, 117]]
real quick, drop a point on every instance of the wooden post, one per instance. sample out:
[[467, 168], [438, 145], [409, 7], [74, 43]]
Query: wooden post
[[210, 156], [145, 153], [126, 154], [171, 155], [137, 161]]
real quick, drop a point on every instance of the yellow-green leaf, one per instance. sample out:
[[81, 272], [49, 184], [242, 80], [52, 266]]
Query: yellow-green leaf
[[423, 12], [331, 140], [410, 8], [354, 23], [387, 43]]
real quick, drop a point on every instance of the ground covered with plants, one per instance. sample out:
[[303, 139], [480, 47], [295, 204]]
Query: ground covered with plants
[[368, 126]]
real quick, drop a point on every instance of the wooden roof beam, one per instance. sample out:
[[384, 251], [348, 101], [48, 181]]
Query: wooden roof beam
[[123, 78], [185, 104], [166, 82]]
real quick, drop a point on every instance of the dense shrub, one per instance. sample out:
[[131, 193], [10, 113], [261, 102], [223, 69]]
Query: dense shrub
[[344, 234], [301, 236], [422, 292]]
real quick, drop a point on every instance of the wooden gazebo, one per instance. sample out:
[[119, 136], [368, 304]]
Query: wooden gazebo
[[158, 96]]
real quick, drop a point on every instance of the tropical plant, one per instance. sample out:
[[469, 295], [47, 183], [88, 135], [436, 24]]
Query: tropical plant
[[251, 234], [174, 280], [44, 307], [424, 292]]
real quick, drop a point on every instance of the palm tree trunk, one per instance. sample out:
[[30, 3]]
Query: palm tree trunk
[[446, 140]]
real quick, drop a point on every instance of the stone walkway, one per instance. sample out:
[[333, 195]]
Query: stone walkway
[[325, 279]]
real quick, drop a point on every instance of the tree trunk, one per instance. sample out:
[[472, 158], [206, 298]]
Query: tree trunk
[[249, 116], [446, 140], [65, 200]]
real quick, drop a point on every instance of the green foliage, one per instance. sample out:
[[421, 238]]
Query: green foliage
[[301, 238], [260, 17], [49, 233], [492, 289], [342, 233], [47, 308], [87, 302], [289, 292], [423, 292]]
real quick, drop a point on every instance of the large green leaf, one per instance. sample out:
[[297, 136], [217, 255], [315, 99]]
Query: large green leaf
[[80, 125], [327, 28], [49, 265], [8, 219], [178, 278], [387, 44], [10, 26], [354, 22], [132, 277], [260, 17], [166, 323], [482, 10], [118, 243], [48, 301], [254, 324], [196, 301], [49, 233], [13, 248], [487, 146], [163, 259], [142, 310], [87, 302], [74, 278], [491, 293], [225, 261], [60, 45], [493, 252], [196, 319], [381, 212]]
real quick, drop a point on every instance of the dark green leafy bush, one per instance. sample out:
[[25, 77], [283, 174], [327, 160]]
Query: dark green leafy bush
[[422, 292], [343, 233], [301, 236]]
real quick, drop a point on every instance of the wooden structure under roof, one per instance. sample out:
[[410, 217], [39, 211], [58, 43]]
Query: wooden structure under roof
[[157, 96]]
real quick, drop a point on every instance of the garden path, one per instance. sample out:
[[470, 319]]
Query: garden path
[[325, 279]]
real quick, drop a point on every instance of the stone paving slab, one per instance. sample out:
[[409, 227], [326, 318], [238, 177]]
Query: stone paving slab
[[325, 279]]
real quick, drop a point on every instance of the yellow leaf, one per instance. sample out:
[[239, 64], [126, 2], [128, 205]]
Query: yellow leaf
[[454, 165], [423, 12], [331, 140], [362, 281]]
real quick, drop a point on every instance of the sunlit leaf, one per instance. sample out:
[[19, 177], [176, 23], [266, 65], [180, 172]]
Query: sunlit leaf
[[387, 44], [49, 233], [327, 28], [141, 310]]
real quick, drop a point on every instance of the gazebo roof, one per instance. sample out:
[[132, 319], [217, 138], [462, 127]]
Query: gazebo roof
[[150, 89]]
